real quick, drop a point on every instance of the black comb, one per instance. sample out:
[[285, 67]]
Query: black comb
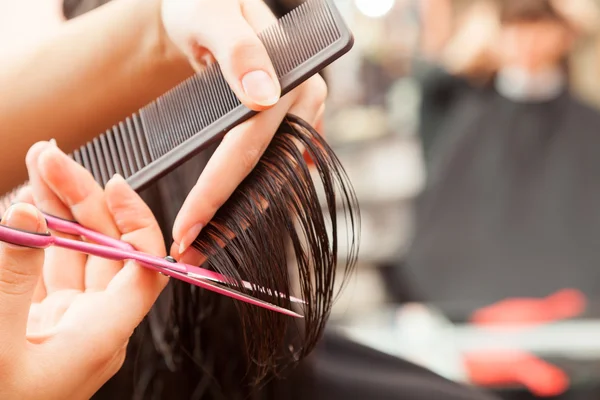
[[186, 120]]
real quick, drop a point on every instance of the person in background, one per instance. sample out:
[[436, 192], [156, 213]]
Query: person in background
[[511, 152]]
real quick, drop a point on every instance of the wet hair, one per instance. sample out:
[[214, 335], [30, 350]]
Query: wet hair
[[274, 231]]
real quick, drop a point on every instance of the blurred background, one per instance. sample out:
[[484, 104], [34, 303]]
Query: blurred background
[[468, 129]]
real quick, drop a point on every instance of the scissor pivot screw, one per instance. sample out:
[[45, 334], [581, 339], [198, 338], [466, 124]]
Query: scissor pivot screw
[[171, 260]]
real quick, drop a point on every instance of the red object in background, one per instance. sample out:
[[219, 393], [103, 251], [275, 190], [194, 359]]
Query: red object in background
[[515, 367], [307, 159], [511, 367], [318, 128], [566, 303]]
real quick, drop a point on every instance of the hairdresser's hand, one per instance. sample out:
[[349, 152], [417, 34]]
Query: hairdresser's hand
[[205, 30], [25, 23], [226, 31], [65, 318]]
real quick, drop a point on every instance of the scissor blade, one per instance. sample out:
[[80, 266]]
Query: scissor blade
[[215, 287], [202, 273], [261, 289], [270, 292]]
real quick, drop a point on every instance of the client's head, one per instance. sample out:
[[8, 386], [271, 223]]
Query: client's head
[[534, 35]]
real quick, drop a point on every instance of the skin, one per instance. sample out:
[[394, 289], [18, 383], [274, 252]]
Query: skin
[[533, 46], [482, 45], [66, 317], [21, 27], [113, 53]]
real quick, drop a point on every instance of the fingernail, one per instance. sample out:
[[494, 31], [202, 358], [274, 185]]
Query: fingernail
[[261, 88], [24, 217], [189, 237], [53, 142], [118, 178]]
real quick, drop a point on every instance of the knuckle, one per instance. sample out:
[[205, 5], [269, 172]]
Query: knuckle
[[315, 92], [117, 361], [13, 281], [142, 237], [98, 360], [245, 48], [103, 354], [250, 158], [130, 220], [246, 54]]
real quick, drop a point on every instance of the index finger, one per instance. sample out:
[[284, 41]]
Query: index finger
[[85, 200], [231, 162], [237, 154], [129, 296], [53, 275]]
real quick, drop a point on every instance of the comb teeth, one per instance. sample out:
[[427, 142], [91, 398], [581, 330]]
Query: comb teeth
[[9, 198], [205, 98], [187, 110], [316, 31], [199, 111], [122, 150]]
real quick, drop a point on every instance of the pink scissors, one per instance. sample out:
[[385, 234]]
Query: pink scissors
[[114, 249]]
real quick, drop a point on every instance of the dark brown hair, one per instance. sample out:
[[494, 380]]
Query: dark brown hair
[[281, 230], [513, 11]]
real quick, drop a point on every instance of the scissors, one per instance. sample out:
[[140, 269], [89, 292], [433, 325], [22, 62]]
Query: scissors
[[114, 249]]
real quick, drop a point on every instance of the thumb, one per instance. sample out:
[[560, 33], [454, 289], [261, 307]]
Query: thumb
[[242, 57], [20, 269]]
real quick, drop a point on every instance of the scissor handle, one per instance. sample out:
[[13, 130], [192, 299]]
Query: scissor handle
[[73, 228], [20, 237]]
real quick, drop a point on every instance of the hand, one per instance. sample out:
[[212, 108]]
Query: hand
[[25, 23], [66, 318], [226, 31], [583, 15], [472, 51]]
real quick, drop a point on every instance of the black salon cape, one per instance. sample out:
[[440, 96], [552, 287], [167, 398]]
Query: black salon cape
[[337, 369], [512, 203]]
